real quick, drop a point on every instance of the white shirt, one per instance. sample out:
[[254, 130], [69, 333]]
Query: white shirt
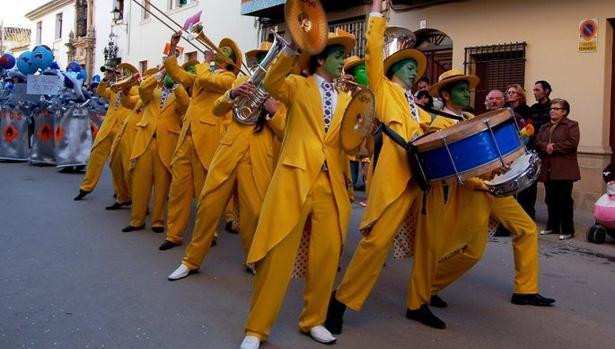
[[319, 80], [448, 111]]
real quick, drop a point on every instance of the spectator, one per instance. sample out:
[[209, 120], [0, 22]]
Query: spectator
[[423, 84], [557, 143], [495, 100], [515, 98], [424, 99], [539, 115]]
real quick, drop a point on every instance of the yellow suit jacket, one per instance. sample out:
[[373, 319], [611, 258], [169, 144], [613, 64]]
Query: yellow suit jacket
[[238, 139], [116, 113], [164, 122], [126, 133], [392, 174], [206, 128], [304, 150]]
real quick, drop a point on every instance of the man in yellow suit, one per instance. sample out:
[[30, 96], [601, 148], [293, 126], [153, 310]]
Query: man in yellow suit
[[104, 139], [309, 180], [153, 147], [244, 161], [201, 130], [391, 197], [119, 158], [470, 206]]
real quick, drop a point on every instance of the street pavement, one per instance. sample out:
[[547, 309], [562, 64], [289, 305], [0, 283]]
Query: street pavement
[[69, 278]]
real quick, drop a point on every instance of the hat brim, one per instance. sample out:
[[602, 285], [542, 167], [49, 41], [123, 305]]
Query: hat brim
[[435, 89], [408, 53], [189, 63], [238, 55], [345, 41], [353, 64]]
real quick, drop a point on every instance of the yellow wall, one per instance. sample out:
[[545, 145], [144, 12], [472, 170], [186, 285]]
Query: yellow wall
[[550, 29]]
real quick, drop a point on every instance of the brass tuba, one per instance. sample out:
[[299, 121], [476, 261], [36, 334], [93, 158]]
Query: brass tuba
[[307, 24]]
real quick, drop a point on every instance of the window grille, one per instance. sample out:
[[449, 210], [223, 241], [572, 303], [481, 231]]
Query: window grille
[[497, 66]]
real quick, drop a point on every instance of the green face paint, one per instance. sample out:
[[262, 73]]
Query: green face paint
[[460, 94], [191, 69], [406, 71], [360, 74], [334, 63], [167, 81], [228, 52]]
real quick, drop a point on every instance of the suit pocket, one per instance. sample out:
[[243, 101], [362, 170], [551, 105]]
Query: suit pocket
[[296, 162], [175, 131], [208, 121]]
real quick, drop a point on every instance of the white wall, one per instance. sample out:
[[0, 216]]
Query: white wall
[[49, 31], [103, 21], [221, 18]]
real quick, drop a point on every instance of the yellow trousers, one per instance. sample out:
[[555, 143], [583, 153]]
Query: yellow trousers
[[369, 257], [210, 208], [475, 207], [120, 174], [273, 272], [149, 171], [188, 176], [98, 156]]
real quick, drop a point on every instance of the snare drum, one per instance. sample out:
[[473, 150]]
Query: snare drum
[[470, 148], [523, 172]]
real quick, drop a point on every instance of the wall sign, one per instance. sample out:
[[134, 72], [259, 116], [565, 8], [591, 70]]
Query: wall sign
[[588, 35]]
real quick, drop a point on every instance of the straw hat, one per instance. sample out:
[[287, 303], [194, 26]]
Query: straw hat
[[186, 65], [150, 71], [452, 76], [238, 55], [352, 62], [262, 48], [408, 53], [339, 37]]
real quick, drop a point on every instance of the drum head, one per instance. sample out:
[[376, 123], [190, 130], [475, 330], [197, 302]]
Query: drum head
[[358, 119], [464, 129]]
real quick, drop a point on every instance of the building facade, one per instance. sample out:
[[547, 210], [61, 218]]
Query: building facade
[[145, 36], [505, 42], [51, 26], [15, 40]]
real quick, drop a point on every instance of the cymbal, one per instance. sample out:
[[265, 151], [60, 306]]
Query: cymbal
[[307, 23], [358, 119]]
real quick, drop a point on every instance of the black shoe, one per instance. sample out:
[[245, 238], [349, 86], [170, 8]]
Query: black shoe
[[229, 228], [158, 230], [81, 195], [437, 302], [129, 228], [426, 317], [335, 315], [117, 206], [167, 245], [501, 232], [250, 269], [531, 299], [214, 242]]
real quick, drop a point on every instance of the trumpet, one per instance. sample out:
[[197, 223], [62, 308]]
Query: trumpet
[[109, 69], [194, 32]]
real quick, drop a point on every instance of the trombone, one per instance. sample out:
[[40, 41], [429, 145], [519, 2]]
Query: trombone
[[195, 31]]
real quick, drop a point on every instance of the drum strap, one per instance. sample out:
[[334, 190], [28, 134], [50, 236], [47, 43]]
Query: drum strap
[[441, 113], [414, 159]]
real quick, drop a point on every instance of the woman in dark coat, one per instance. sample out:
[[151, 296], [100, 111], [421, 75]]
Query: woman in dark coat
[[557, 143]]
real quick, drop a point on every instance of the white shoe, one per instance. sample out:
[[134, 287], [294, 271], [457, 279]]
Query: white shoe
[[181, 272], [250, 342], [566, 236], [546, 232], [322, 335]]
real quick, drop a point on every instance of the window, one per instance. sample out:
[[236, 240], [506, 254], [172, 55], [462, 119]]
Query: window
[[39, 32], [190, 56], [119, 4], [143, 66], [173, 4], [145, 10], [355, 26], [59, 26], [497, 66]]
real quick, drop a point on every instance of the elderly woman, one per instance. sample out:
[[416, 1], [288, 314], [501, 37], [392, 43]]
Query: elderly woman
[[557, 143], [515, 98]]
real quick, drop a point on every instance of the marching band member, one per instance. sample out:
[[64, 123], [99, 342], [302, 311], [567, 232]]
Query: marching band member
[[201, 130], [469, 209], [104, 139], [391, 198], [243, 161], [119, 158], [153, 147], [309, 180]]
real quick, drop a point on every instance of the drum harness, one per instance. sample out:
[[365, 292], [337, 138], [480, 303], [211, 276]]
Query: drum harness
[[410, 148]]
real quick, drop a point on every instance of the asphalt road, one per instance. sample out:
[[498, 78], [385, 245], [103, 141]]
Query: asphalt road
[[70, 279]]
